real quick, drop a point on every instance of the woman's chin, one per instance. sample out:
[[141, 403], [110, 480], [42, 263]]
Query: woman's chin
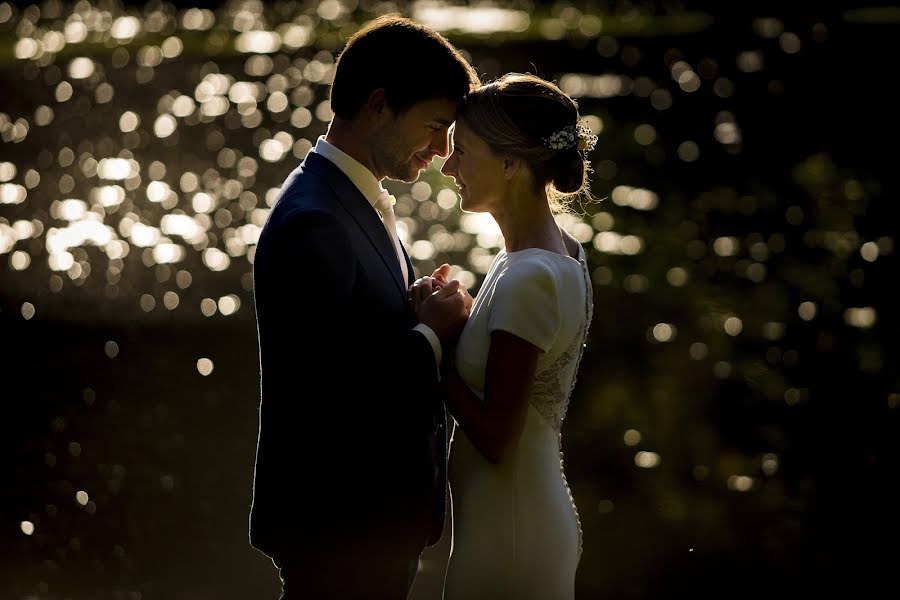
[[465, 201]]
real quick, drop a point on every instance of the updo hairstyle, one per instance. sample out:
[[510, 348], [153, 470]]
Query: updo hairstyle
[[517, 115]]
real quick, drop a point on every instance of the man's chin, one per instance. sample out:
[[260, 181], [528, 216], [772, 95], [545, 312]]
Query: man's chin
[[407, 174]]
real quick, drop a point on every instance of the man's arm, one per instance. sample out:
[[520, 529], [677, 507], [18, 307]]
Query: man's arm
[[304, 280], [315, 280]]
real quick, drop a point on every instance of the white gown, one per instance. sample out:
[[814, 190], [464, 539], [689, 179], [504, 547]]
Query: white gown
[[516, 532]]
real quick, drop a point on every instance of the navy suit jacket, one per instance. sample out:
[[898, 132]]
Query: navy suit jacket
[[352, 434]]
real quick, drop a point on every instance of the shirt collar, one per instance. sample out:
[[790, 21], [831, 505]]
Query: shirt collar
[[358, 174]]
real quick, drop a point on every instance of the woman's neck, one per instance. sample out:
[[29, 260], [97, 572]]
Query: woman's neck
[[528, 223]]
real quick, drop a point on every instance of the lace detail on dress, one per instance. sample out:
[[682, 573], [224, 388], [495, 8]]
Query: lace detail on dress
[[553, 387]]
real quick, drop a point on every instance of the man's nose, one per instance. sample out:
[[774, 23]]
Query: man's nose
[[440, 142], [449, 168]]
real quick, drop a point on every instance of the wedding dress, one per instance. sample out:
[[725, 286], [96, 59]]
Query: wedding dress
[[516, 532]]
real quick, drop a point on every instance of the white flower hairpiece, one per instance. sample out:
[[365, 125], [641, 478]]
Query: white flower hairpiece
[[579, 135]]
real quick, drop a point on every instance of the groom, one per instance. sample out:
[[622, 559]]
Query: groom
[[350, 466]]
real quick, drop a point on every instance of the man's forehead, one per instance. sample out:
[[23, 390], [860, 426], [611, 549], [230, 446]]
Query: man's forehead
[[439, 109]]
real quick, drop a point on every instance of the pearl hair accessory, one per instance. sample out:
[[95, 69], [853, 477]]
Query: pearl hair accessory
[[579, 135]]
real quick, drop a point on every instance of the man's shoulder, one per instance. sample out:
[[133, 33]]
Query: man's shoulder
[[307, 190], [304, 209], [299, 222], [310, 199], [309, 181]]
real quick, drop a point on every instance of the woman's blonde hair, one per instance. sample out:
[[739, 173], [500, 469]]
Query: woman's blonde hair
[[516, 116]]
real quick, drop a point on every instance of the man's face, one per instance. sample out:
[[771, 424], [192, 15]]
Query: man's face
[[406, 143]]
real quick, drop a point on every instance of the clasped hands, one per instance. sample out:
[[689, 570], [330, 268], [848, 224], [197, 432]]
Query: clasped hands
[[440, 303]]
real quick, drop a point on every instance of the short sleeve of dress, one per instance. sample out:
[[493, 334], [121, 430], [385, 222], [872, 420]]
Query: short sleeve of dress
[[525, 303]]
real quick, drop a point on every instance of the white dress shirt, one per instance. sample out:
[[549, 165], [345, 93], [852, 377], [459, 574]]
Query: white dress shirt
[[370, 187]]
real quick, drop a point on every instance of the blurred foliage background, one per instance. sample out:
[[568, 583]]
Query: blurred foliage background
[[734, 431]]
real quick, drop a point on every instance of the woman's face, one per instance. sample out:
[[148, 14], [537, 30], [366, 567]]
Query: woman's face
[[478, 172]]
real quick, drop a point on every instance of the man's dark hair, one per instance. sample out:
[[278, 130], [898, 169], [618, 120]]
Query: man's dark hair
[[410, 61]]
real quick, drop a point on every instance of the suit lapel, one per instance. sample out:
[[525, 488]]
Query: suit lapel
[[409, 268], [362, 212]]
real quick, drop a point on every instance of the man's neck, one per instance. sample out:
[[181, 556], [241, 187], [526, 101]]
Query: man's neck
[[344, 136]]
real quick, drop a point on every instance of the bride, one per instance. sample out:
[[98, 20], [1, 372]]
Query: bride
[[518, 150]]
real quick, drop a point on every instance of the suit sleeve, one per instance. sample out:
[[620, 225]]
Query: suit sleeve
[[303, 277], [311, 285]]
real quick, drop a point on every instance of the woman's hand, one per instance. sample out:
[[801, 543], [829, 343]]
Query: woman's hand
[[441, 278], [426, 286], [442, 275]]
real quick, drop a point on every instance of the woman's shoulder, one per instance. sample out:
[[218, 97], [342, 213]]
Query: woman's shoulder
[[540, 262], [532, 272]]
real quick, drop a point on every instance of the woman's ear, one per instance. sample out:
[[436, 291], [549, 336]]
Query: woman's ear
[[511, 167]]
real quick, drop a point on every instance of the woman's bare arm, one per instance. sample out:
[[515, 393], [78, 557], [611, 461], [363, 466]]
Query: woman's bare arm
[[495, 425]]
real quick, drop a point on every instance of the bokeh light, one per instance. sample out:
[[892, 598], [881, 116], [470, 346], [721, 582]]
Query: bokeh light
[[204, 366], [741, 247]]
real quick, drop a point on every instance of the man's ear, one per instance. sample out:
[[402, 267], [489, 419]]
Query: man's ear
[[376, 104]]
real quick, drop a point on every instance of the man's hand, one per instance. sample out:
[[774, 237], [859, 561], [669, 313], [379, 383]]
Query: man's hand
[[425, 286], [445, 310], [435, 300], [421, 289]]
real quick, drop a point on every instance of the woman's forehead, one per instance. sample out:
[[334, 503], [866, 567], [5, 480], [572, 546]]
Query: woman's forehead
[[461, 131]]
